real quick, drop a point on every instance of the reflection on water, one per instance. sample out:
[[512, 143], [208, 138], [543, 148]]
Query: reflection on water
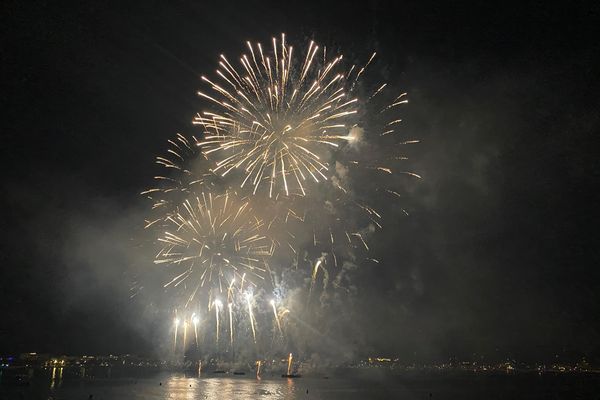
[[58, 383], [56, 378], [182, 388]]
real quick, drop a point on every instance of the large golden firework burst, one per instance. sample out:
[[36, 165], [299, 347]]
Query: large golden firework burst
[[277, 117]]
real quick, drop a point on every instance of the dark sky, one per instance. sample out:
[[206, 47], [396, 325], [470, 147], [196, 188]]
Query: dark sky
[[500, 254]]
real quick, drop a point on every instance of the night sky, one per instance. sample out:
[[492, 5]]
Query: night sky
[[498, 258]]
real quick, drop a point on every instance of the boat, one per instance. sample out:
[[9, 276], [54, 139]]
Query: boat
[[291, 375]]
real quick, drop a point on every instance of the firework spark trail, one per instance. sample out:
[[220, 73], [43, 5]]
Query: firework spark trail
[[195, 321], [230, 291], [258, 365], [217, 305], [251, 315], [313, 278], [229, 306], [242, 283], [185, 325], [176, 323], [289, 365], [276, 316]]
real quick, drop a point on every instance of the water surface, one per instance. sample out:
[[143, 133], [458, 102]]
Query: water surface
[[169, 386]]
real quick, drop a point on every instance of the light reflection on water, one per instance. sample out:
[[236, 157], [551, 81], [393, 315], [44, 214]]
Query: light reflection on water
[[161, 387], [164, 386], [56, 378], [181, 388]]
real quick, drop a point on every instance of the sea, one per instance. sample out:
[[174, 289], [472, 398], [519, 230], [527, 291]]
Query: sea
[[178, 386]]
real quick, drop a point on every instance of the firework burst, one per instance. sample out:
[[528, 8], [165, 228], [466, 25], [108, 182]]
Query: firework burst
[[211, 240], [297, 156], [277, 117], [293, 127], [184, 171]]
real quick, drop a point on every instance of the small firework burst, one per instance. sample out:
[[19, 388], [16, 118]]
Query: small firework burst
[[210, 240]]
